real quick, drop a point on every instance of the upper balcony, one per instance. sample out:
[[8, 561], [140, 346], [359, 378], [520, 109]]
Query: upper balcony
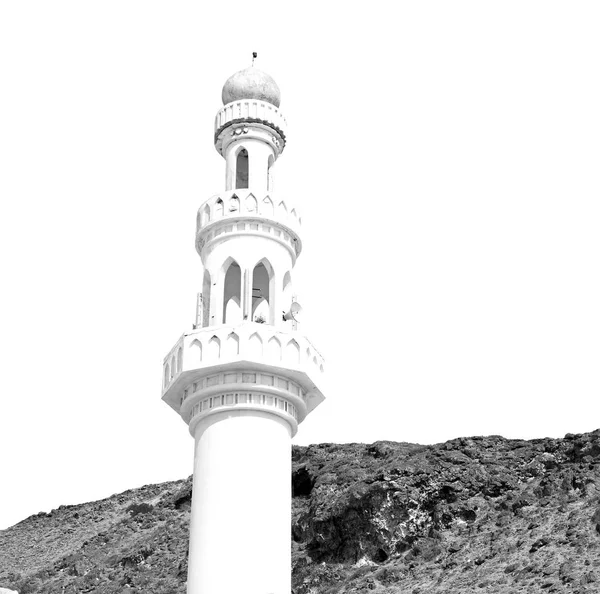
[[252, 215], [250, 110]]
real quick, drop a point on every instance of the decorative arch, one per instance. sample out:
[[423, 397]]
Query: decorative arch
[[294, 213], [232, 345], [282, 208], [232, 292], [196, 353], [255, 346], [214, 349], [242, 168], [219, 208], [179, 359], [267, 207], [234, 204], [292, 352], [251, 203], [173, 369], [274, 349], [262, 291], [167, 374]]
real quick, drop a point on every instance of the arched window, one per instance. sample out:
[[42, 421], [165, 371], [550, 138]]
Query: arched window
[[262, 277], [233, 311], [241, 169], [206, 299], [232, 293]]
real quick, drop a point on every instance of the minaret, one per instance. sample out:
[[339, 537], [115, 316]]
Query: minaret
[[244, 377]]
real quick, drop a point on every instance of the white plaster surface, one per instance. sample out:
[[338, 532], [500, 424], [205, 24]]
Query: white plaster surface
[[242, 382], [241, 512]]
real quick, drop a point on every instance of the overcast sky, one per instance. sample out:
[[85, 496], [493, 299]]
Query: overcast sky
[[444, 156]]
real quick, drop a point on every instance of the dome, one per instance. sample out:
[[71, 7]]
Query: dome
[[251, 83]]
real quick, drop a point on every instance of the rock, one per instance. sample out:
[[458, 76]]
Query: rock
[[480, 514]]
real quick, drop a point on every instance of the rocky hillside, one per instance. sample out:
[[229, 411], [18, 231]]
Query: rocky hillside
[[481, 514]]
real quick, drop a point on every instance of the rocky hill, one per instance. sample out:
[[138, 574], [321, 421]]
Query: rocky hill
[[481, 514]]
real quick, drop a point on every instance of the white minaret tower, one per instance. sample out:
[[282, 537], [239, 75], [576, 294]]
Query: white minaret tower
[[244, 377]]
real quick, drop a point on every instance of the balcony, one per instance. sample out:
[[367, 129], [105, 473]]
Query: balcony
[[248, 349], [240, 211], [249, 110]]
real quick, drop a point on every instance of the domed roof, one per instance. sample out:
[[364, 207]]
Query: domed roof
[[251, 83]]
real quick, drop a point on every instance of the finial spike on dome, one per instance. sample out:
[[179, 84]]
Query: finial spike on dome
[[254, 56]]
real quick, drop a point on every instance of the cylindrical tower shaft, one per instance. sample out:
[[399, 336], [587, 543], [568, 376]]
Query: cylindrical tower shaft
[[240, 529]]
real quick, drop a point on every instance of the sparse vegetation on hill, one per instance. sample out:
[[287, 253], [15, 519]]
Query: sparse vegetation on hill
[[482, 514]]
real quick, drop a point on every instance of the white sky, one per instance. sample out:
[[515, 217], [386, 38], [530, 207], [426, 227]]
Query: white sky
[[444, 155]]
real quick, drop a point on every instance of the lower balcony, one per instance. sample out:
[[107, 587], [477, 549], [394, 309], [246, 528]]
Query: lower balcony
[[251, 346]]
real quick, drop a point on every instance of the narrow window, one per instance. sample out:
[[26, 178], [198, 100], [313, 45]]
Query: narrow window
[[232, 294], [241, 169], [269, 174], [261, 293], [206, 284]]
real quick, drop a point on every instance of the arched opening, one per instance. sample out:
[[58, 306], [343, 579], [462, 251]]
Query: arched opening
[[233, 311], [219, 208], [241, 169], [206, 299], [206, 215], [262, 276], [179, 359], [269, 173], [287, 291], [234, 204], [232, 293]]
